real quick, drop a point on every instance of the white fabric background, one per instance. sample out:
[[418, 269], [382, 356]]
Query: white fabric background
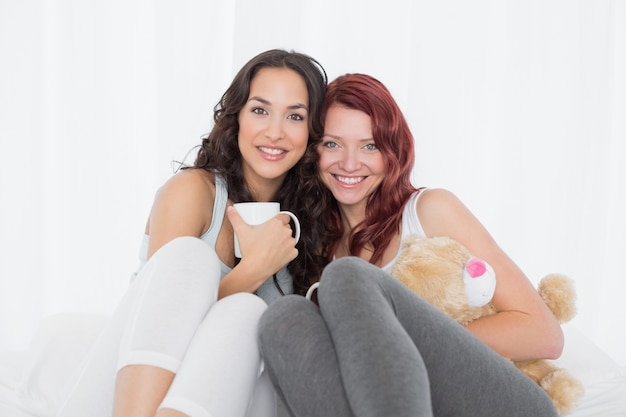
[[517, 106]]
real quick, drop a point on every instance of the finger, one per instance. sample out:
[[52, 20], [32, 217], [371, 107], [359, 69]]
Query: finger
[[284, 218], [286, 222]]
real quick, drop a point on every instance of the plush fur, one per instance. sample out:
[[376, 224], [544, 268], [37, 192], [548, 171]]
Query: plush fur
[[433, 268]]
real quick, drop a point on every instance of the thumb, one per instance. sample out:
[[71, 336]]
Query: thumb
[[234, 218]]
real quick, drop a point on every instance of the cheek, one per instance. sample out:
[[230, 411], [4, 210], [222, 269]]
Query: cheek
[[324, 162], [243, 140], [379, 165], [300, 139], [245, 129]]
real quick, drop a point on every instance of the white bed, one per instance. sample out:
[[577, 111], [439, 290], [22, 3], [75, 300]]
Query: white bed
[[31, 382]]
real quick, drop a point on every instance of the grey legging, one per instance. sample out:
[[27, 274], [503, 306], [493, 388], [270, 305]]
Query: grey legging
[[374, 348]]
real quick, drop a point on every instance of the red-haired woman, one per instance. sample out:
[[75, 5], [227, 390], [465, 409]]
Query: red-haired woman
[[373, 348]]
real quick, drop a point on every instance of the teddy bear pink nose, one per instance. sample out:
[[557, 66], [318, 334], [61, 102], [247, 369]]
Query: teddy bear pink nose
[[475, 267]]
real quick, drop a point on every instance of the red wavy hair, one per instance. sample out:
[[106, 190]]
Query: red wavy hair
[[394, 140]]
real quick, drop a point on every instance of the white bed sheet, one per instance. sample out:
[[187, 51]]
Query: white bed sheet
[[26, 378], [9, 407], [605, 398], [11, 365]]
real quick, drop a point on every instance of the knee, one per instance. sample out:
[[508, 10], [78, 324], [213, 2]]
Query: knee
[[243, 304], [237, 315], [282, 317], [185, 269], [343, 274], [274, 315], [346, 266], [186, 248]]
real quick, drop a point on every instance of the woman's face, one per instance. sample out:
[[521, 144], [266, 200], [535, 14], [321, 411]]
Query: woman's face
[[273, 125], [350, 165]]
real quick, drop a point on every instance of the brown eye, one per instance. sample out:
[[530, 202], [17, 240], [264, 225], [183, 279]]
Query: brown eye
[[295, 117]]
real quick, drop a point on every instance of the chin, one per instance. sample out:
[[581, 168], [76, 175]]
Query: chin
[[349, 201]]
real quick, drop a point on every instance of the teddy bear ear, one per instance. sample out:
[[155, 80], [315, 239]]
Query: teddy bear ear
[[480, 282], [559, 293]]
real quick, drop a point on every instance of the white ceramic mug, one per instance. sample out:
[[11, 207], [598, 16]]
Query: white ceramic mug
[[260, 212]]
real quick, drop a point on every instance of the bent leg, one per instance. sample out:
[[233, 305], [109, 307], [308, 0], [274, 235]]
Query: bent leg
[[466, 376], [221, 368], [149, 330], [381, 368], [300, 359]]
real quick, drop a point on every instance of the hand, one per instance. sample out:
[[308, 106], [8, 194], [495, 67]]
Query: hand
[[268, 246]]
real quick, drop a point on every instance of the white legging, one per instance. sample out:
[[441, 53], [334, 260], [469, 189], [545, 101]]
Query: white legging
[[170, 318]]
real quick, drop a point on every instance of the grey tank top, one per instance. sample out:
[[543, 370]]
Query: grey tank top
[[268, 290]]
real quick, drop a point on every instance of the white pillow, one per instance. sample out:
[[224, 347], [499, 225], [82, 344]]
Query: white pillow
[[59, 345]]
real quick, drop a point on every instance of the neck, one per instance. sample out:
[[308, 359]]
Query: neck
[[264, 190], [351, 216]]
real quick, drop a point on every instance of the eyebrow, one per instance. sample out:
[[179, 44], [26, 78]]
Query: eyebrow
[[339, 137], [267, 103]]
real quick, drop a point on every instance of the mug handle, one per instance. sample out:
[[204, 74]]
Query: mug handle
[[309, 292], [295, 221]]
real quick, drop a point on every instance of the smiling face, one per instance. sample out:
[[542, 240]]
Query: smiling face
[[273, 126], [350, 165]]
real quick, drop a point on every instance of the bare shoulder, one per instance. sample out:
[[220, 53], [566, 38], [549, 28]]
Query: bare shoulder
[[442, 213], [435, 195], [190, 181], [436, 202], [182, 207]]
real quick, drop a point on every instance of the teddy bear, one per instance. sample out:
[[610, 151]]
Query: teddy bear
[[444, 273]]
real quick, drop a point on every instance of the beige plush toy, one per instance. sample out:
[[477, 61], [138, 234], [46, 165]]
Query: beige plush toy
[[444, 273]]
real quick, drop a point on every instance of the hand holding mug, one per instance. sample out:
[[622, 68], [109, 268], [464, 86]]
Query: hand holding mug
[[256, 213]]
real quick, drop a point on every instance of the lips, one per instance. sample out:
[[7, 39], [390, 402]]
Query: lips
[[271, 151], [349, 180]]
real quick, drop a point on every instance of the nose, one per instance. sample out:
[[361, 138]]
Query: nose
[[275, 128], [350, 161]]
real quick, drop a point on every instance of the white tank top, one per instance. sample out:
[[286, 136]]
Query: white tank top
[[410, 226]]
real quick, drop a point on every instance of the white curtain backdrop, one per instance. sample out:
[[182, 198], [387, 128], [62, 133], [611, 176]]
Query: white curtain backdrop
[[518, 106]]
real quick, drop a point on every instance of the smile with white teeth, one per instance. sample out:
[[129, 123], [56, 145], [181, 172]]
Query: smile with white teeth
[[271, 151], [349, 180]]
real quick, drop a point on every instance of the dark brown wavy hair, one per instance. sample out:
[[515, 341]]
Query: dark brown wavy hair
[[219, 153], [394, 140]]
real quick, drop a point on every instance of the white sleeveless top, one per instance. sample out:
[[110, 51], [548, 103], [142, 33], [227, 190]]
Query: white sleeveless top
[[410, 226]]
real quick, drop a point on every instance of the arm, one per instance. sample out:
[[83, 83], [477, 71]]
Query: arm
[[266, 248], [523, 327], [184, 207]]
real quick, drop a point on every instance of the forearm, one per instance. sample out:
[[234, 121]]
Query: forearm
[[243, 278], [520, 336]]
